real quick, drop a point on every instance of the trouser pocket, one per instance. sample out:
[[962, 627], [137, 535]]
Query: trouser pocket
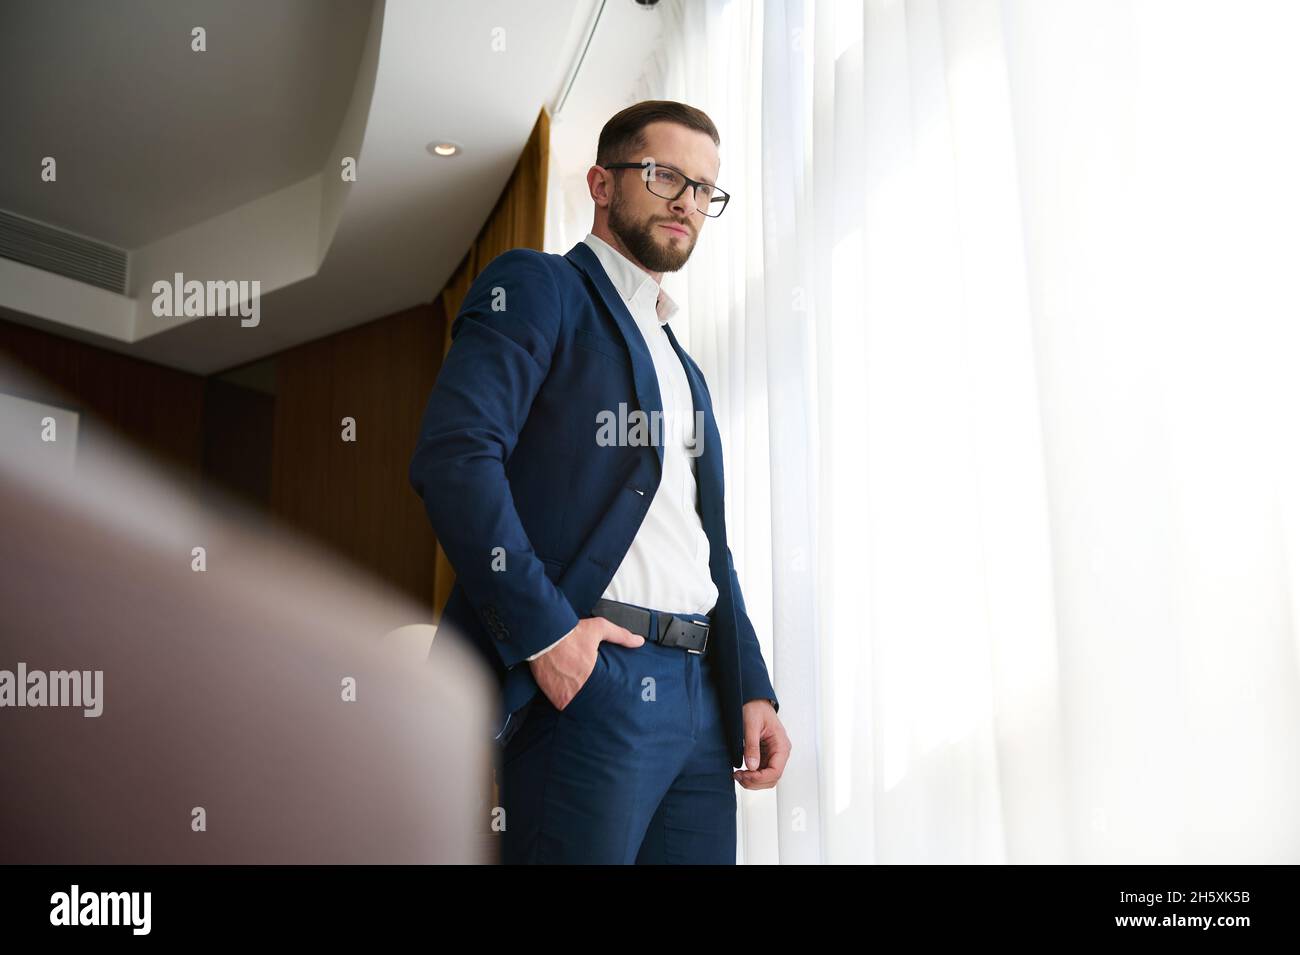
[[514, 722]]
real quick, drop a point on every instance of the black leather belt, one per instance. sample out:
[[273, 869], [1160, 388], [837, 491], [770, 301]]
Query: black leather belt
[[667, 630]]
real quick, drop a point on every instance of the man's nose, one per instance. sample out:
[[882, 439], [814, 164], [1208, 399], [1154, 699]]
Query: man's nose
[[684, 204]]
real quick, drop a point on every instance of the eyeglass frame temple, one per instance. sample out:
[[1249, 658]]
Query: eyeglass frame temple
[[692, 183]]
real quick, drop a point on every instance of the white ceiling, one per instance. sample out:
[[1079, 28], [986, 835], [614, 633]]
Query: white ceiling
[[227, 167], [622, 49], [151, 137]]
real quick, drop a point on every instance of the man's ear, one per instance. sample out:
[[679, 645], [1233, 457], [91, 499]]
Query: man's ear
[[598, 186]]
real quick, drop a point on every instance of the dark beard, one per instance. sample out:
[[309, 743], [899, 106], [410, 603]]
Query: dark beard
[[638, 239]]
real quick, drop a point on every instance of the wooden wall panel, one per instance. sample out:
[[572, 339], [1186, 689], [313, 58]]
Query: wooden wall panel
[[238, 431], [283, 453], [356, 496], [158, 409]]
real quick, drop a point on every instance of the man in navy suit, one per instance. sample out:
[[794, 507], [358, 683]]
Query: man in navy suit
[[571, 466]]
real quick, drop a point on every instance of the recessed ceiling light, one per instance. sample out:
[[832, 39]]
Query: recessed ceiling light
[[444, 147]]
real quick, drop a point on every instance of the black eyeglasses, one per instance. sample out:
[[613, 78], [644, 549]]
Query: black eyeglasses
[[669, 183]]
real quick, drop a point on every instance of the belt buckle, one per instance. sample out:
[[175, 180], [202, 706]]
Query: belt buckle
[[676, 629], [705, 645]]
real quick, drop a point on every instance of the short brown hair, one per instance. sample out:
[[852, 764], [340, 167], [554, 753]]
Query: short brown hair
[[625, 131]]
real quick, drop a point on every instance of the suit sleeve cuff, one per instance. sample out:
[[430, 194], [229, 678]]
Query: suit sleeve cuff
[[555, 644]]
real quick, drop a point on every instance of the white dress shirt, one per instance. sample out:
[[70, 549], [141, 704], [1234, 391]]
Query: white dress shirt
[[667, 565]]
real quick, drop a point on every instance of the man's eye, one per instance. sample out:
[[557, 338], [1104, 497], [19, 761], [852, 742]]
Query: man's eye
[[667, 175]]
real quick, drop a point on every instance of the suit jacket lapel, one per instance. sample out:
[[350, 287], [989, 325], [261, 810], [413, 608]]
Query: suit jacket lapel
[[643, 369], [708, 471]]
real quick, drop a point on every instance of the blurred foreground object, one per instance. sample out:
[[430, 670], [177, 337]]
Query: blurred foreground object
[[225, 691]]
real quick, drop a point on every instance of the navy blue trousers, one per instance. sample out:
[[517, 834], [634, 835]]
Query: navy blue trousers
[[633, 770]]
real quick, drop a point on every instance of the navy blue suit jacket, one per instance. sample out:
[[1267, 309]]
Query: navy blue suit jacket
[[507, 458]]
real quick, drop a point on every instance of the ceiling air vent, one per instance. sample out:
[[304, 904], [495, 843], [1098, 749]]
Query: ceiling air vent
[[63, 253]]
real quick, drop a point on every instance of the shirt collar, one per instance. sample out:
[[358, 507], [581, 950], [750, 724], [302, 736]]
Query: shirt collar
[[630, 281]]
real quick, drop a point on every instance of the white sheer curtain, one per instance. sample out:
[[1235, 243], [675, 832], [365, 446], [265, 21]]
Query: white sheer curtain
[[1000, 326]]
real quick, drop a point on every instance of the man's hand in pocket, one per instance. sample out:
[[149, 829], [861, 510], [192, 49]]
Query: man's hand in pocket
[[564, 669]]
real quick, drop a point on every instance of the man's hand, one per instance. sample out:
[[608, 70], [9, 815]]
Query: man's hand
[[767, 746], [564, 669]]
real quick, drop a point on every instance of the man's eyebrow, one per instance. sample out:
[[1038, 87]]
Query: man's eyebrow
[[669, 165]]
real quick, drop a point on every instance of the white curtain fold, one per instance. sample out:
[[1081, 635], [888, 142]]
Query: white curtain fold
[[999, 326]]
